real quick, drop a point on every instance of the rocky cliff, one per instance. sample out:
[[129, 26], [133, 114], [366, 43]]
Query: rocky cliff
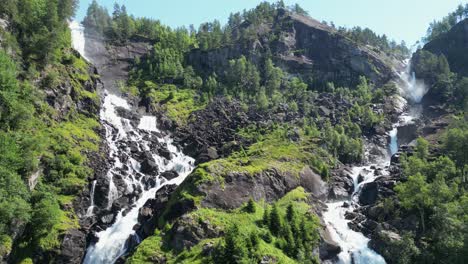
[[454, 45], [305, 47]]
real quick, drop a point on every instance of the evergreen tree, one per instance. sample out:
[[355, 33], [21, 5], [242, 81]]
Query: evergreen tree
[[275, 221]]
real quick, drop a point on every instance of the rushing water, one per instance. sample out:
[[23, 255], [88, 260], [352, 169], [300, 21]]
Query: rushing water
[[354, 244], [120, 134], [78, 37]]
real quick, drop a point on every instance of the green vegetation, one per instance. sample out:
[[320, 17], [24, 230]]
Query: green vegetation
[[435, 190], [43, 165], [273, 150], [288, 237], [445, 85], [368, 37], [437, 28]]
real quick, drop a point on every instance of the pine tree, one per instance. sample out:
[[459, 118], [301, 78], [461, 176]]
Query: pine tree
[[251, 207], [266, 216], [275, 221]]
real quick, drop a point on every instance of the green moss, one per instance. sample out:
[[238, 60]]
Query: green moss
[[51, 241], [273, 150], [177, 103]]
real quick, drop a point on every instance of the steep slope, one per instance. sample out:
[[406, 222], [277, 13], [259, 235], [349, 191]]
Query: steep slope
[[305, 47], [454, 45]]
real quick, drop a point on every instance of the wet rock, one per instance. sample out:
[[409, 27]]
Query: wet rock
[[165, 153], [350, 215], [342, 184], [328, 249], [133, 146], [150, 167], [360, 178], [368, 193], [153, 208], [169, 175]]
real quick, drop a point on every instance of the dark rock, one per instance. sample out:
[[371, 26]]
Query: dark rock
[[73, 247], [269, 185], [328, 249], [326, 54], [187, 232], [368, 193], [152, 210], [350, 215], [342, 184], [149, 167], [165, 153], [107, 219], [169, 175]]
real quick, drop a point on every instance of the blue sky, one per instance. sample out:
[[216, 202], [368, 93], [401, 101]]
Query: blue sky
[[399, 19]]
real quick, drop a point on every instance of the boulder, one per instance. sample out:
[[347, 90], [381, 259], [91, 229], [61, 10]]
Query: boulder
[[169, 175], [149, 167], [368, 194]]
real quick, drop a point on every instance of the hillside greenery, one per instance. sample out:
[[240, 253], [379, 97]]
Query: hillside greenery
[[436, 28], [43, 165], [165, 81], [435, 190]]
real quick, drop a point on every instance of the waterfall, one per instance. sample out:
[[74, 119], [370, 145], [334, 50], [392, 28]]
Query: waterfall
[[78, 38], [126, 143], [410, 87], [354, 244], [90, 212]]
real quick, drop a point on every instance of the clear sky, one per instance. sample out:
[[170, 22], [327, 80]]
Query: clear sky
[[399, 19]]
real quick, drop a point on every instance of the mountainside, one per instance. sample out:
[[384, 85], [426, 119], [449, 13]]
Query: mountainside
[[272, 139], [454, 46], [303, 46]]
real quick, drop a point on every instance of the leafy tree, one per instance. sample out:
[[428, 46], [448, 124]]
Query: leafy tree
[[422, 148], [416, 194]]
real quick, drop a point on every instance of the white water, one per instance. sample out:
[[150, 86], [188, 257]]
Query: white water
[[90, 210], [78, 38], [410, 87], [112, 241], [120, 133], [354, 244]]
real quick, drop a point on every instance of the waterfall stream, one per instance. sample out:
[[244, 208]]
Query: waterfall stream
[[354, 244], [127, 142]]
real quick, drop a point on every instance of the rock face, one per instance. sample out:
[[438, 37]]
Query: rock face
[[454, 45], [113, 61], [65, 97], [305, 47], [268, 185]]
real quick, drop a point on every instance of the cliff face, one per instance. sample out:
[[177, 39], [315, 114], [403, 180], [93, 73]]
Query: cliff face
[[454, 45], [113, 61], [303, 47]]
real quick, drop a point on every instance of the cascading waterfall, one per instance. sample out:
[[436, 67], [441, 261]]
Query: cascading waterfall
[[78, 38], [90, 210], [411, 88], [354, 244], [120, 135]]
